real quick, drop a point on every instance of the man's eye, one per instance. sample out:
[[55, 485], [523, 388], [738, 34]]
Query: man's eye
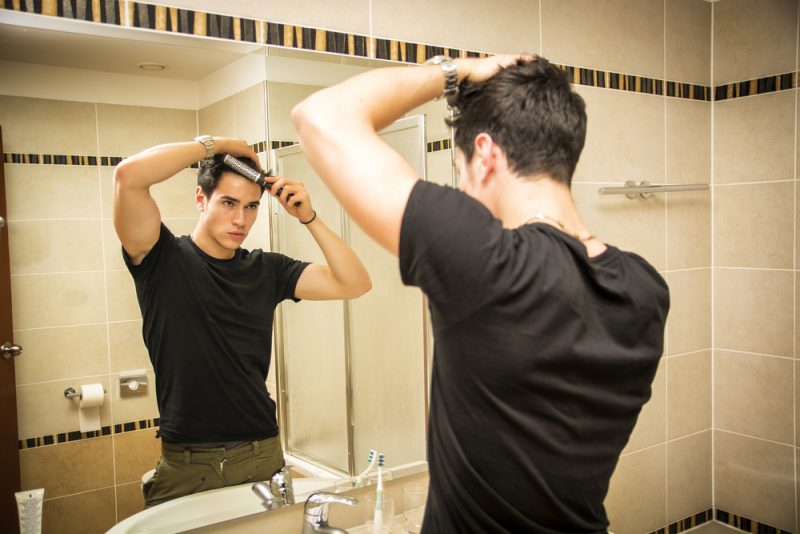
[[252, 207], [227, 202]]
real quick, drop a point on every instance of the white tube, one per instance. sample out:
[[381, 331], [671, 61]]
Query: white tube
[[29, 507]]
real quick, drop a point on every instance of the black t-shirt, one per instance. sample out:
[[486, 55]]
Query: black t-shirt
[[207, 324], [543, 359]]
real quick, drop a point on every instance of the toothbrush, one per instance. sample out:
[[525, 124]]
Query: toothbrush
[[373, 456], [377, 517]]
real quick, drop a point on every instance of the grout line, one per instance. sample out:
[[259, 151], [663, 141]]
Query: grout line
[[761, 354], [666, 263], [712, 181], [690, 353], [733, 268], [666, 442], [541, 26], [794, 260], [761, 182], [755, 437]]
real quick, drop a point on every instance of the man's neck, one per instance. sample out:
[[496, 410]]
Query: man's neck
[[207, 244]]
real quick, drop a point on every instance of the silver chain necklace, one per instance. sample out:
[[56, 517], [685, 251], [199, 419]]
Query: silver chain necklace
[[543, 217]]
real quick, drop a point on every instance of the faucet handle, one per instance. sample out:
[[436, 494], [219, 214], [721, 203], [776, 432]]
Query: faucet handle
[[262, 489], [316, 507]]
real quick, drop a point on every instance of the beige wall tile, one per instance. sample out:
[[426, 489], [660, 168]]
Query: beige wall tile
[[71, 192], [688, 394], [250, 114], [174, 197], [112, 248], [135, 453], [755, 478], [690, 311], [43, 300], [129, 499], [624, 137], [514, 28], [42, 409], [55, 246], [754, 225], [636, 500], [127, 346], [754, 138], [134, 408], [67, 468], [624, 36], [689, 476], [753, 39], [754, 395], [634, 225], [218, 119], [87, 512], [58, 353], [127, 130], [651, 427], [688, 41], [122, 303], [435, 113], [39, 126], [281, 98], [440, 167], [689, 230], [688, 141], [345, 15], [753, 310]]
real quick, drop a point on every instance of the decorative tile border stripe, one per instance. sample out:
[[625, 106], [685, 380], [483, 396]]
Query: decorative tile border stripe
[[57, 159], [66, 437], [760, 86], [281, 144], [102, 11], [687, 523], [435, 146], [198, 23], [747, 525]]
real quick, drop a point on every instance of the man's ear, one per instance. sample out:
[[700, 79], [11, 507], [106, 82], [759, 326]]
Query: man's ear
[[200, 199], [485, 155]]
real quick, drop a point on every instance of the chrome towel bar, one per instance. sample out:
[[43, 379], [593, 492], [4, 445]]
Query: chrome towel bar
[[646, 189]]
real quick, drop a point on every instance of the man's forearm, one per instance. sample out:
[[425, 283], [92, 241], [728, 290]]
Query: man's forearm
[[158, 163], [345, 267]]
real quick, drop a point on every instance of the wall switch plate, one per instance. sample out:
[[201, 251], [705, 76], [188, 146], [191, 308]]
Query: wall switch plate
[[132, 383]]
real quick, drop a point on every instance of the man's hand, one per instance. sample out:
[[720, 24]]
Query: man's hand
[[299, 205], [480, 69], [235, 147]]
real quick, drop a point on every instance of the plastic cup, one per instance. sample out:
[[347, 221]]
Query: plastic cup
[[414, 499], [386, 514]]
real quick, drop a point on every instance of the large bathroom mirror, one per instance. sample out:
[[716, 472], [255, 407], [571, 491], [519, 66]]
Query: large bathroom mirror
[[365, 389]]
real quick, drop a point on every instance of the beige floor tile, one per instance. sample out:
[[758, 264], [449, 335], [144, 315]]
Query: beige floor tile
[[688, 394], [690, 311], [753, 39], [688, 41], [135, 453], [64, 352], [92, 512], [753, 225], [515, 26], [129, 500], [651, 427], [689, 476], [754, 396], [68, 468], [753, 310], [754, 138], [42, 409], [689, 230], [72, 192], [127, 130], [636, 500], [46, 300], [55, 246], [41, 126], [618, 35], [755, 478]]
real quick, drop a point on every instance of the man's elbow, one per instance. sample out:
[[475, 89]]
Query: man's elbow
[[359, 289]]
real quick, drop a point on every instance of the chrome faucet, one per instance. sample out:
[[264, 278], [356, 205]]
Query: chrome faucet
[[315, 513], [278, 493]]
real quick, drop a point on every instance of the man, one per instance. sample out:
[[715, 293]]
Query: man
[[207, 306], [546, 339]]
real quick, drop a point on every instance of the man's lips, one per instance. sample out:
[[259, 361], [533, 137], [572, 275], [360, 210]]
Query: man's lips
[[238, 236]]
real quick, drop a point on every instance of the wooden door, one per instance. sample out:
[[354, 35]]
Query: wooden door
[[9, 442]]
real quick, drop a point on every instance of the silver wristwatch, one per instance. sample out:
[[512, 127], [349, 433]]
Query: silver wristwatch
[[450, 77], [208, 142]]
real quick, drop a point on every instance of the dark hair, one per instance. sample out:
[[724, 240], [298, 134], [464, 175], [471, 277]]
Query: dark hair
[[530, 110], [212, 169]]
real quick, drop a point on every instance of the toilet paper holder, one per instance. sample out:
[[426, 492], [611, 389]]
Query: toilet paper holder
[[70, 393]]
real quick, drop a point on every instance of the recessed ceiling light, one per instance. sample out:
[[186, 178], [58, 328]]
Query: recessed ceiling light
[[151, 66]]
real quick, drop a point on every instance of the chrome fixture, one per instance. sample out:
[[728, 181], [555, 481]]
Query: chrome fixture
[[646, 189], [315, 512], [278, 492], [10, 349]]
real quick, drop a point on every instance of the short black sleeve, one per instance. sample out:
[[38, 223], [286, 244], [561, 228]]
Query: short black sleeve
[[453, 249], [287, 273]]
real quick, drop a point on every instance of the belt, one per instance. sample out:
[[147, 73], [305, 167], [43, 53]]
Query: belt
[[211, 455]]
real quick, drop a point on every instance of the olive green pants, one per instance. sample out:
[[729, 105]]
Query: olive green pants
[[182, 471]]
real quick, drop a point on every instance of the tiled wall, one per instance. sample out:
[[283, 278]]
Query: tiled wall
[[755, 261], [747, 245]]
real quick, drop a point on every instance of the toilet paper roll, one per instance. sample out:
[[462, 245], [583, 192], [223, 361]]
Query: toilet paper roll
[[92, 397]]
